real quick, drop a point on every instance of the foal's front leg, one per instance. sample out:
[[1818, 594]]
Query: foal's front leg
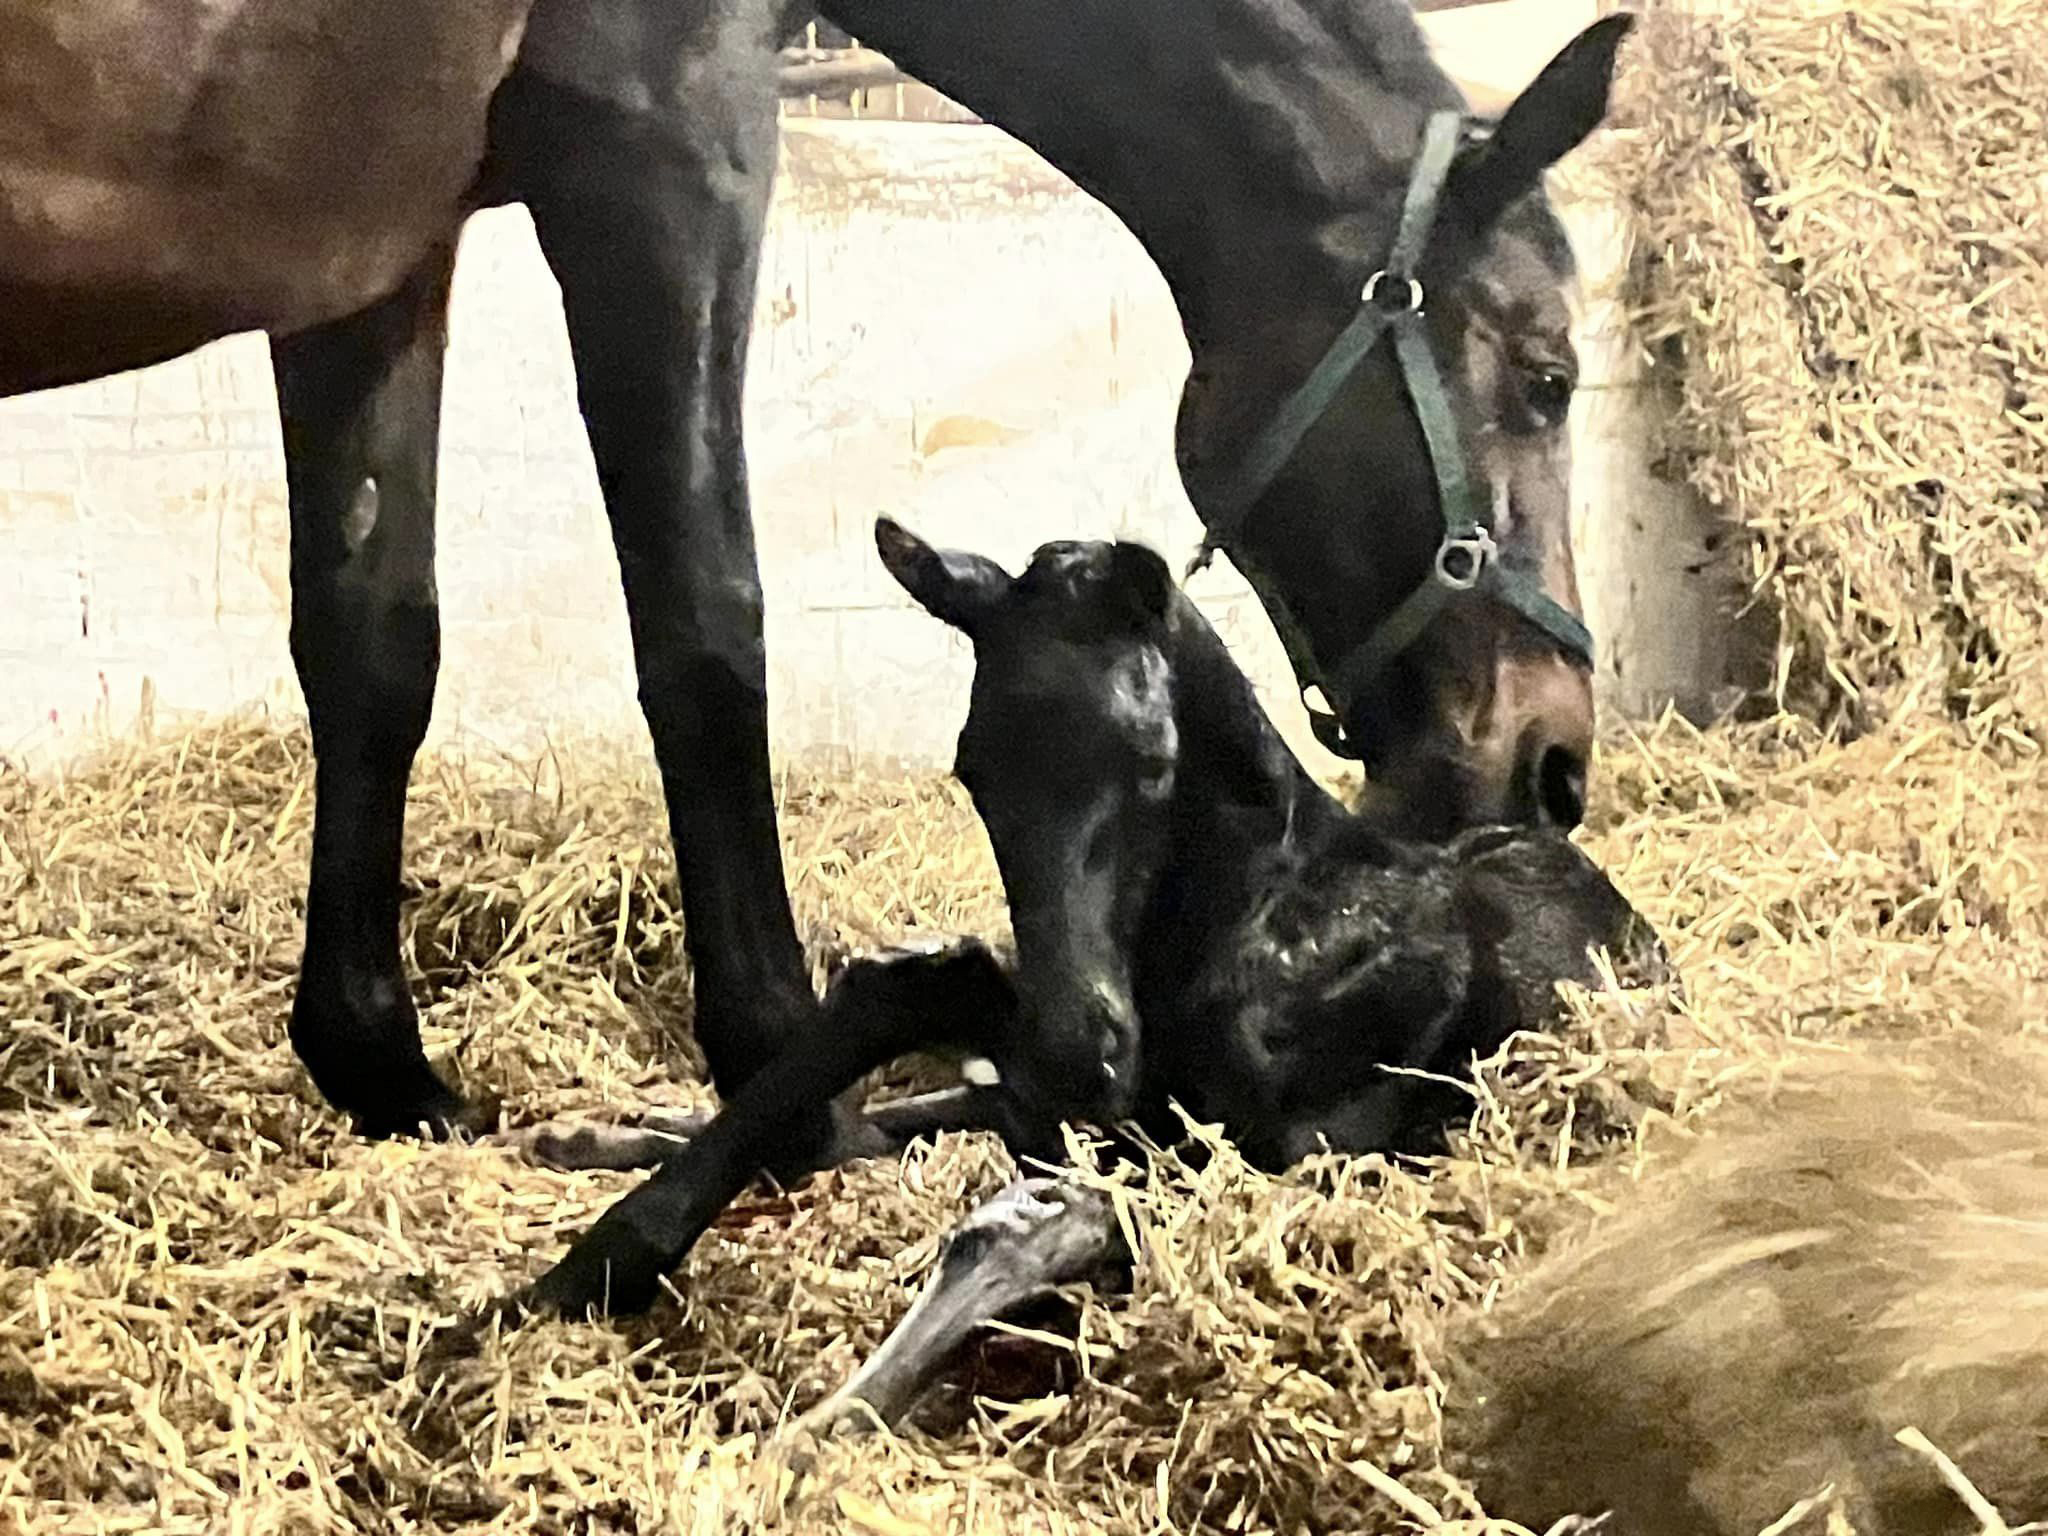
[[954, 987], [877, 1010], [360, 402], [649, 206]]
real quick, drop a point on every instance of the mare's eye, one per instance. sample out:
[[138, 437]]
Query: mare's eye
[[1549, 394]]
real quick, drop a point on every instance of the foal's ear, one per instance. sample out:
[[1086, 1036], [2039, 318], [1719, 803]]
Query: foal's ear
[[1141, 578], [950, 584], [1545, 123]]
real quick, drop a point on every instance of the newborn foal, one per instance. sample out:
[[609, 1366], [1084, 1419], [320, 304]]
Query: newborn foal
[[1196, 920]]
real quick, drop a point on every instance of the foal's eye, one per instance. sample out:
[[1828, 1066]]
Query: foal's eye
[[1549, 394]]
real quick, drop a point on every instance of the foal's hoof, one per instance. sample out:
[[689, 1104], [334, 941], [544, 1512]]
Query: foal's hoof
[[462, 1341], [839, 1417], [610, 1271]]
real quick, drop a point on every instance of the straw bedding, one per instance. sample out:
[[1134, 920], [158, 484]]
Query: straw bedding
[[1859, 1254], [1838, 215], [214, 1302]]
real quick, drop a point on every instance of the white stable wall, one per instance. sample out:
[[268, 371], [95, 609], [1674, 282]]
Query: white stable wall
[[947, 331]]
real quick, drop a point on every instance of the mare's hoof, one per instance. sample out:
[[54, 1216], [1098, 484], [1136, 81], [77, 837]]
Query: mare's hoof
[[361, 1046], [611, 1271], [431, 1109]]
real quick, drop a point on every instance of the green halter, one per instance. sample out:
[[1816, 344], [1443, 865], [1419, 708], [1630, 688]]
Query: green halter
[[1468, 559]]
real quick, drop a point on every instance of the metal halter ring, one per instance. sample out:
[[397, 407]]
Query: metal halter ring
[[1460, 562], [1372, 289]]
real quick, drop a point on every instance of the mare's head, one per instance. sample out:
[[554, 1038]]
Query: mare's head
[[1070, 751], [1474, 706]]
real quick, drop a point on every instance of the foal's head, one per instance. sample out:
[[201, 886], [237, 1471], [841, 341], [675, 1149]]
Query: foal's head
[[1070, 751]]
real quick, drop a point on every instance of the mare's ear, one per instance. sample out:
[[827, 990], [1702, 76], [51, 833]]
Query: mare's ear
[[950, 584], [1142, 580], [1545, 123]]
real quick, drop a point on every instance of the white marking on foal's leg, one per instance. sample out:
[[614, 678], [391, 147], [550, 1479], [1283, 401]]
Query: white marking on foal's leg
[[980, 1072]]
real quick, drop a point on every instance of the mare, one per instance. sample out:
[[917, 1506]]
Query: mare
[[1197, 921], [1300, 170]]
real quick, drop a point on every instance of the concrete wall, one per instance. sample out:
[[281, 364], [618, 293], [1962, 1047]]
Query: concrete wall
[[947, 332]]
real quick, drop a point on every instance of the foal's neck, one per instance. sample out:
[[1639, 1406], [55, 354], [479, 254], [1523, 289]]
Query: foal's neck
[[1220, 131], [1242, 799]]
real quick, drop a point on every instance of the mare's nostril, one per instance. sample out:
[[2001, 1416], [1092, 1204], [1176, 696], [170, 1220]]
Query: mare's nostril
[[1560, 787]]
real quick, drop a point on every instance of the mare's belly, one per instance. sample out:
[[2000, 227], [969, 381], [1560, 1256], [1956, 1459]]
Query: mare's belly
[[195, 167]]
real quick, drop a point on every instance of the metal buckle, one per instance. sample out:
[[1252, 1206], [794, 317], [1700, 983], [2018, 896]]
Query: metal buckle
[[1372, 291], [1461, 560]]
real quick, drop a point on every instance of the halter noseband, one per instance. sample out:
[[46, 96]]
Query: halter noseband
[[1467, 559]]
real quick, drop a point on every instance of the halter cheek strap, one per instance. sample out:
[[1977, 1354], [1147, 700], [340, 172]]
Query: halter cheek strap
[[1467, 558]]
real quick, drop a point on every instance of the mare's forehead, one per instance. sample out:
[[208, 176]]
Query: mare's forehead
[[1524, 279]]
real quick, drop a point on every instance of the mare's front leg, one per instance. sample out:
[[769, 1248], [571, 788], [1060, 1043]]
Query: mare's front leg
[[360, 401], [649, 200]]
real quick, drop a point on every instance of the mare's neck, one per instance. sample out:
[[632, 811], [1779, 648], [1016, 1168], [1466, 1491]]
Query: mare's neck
[[1240, 140]]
